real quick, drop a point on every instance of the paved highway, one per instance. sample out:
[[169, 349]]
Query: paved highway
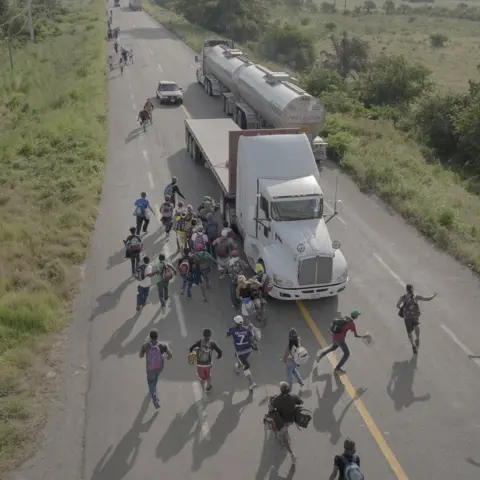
[[412, 417]]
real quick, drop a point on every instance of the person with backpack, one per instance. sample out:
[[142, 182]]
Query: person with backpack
[[181, 229], [242, 341], [409, 310], [143, 274], [155, 353], [211, 229], [347, 465], [142, 205], [223, 246], [190, 273], [236, 268], [202, 261], [133, 249], [204, 349], [164, 272], [339, 328], [166, 209], [199, 238], [294, 354], [172, 190]]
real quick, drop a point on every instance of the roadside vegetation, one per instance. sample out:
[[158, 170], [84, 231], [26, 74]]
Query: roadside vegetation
[[52, 154], [401, 90]]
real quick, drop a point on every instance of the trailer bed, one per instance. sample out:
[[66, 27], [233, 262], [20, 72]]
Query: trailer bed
[[212, 136]]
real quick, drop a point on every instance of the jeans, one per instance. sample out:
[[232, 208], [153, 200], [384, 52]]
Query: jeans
[[142, 221], [211, 250], [233, 294], [292, 371], [152, 380], [162, 292], [187, 283], [135, 261], [346, 353], [142, 295]]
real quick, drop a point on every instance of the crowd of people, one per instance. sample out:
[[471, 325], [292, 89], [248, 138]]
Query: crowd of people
[[124, 56]]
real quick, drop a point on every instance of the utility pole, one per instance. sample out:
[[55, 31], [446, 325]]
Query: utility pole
[[30, 21]]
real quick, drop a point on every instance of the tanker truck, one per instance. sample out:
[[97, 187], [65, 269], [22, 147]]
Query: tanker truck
[[257, 98]]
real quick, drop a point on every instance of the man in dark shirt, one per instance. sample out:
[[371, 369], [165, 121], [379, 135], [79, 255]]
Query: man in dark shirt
[[133, 248], [172, 190], [341, 461], [204, 349], [285, 405]]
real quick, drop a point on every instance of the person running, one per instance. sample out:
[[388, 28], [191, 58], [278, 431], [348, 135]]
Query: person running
[[227, 231], [409, 309], [110, 62], [191, 228], [285, 406], [223, 246], [199, 238], [204, 349], [149, 108], [155, 353], [242, 341], [339, 328], [211, 229], [172, 190], [143, 118], [133, 248], [141, 207], [180, 226], [143, 275], [203, 262], [347, 465], [166, 209], [121, 63], [165, 272], [289, 359], [236, 267], [184, 265], [130, 55]]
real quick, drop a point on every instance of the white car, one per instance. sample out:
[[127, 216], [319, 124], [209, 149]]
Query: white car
[[169, 92]]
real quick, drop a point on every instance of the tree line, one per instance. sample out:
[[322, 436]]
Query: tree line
[[349, 80]]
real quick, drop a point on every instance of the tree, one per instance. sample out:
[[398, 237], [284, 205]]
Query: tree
[[389, 7], [327, 7], [349, 56], [319, 80], [391, 80], [369, 6]]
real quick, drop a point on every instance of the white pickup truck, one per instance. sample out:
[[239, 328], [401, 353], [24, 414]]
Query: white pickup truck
[[271, 193]]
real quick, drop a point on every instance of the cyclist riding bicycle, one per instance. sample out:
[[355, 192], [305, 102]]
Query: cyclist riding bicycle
[[143, 117], [149, 108]]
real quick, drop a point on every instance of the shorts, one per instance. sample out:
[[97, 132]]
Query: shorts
[[411, 323], [243, 360], [204, 372]]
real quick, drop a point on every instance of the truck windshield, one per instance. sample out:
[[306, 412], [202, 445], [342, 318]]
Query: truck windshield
[[299, 209]]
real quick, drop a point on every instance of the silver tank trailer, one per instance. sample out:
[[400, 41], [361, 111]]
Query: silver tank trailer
[[279, 101], [222, 63]]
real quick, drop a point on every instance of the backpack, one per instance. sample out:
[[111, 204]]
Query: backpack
[[168, 190], [204, 354], [302, 417], [199, 240], [134, 245], [223, 248], [338, 325], [140, 272], [300, 356], [211, 231], [139, 211], [180, 224], [411, 308], [202, 260], [184, 267], [167, 272], [352, 470], [167, 209], [154, 357]]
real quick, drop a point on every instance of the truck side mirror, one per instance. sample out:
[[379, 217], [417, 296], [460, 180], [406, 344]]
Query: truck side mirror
[[196, 58]]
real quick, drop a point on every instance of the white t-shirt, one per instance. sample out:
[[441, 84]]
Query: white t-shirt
[[147, 281]]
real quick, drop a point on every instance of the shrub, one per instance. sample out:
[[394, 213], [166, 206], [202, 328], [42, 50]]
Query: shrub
[[320, 79], [338, 145], [327, 7], [438, 40], [330, 26]]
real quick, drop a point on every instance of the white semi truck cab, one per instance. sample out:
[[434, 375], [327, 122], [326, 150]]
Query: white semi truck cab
[[271, 194]]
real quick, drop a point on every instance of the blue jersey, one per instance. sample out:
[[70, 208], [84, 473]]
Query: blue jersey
[[242, 338]]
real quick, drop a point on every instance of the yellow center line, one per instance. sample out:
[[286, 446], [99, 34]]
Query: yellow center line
[[185, 111], [367, 418]]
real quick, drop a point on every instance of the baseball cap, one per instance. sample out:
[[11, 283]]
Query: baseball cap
[[355, 314]]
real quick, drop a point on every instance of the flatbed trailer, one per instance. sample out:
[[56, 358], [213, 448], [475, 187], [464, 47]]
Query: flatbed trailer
[[208, 141]]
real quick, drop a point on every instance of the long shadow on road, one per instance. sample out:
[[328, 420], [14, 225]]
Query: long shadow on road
[[123, 458], [400, 385]]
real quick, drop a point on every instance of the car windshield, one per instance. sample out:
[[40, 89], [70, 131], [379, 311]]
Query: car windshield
[[168, 87], [299, 209]]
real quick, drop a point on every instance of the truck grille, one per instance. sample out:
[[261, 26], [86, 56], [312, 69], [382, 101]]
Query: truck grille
[[315, 271]]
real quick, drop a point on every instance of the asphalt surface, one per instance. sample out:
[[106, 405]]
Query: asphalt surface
[[412, 417]]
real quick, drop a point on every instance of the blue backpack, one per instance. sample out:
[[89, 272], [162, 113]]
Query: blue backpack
[[168, 190], [139, 211]]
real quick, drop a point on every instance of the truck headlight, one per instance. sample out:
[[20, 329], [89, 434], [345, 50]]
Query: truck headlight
[[282, 282], [343, 277]]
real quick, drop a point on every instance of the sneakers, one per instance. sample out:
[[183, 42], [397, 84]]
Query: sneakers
[[156, 404], [252, 386], [237, 368], [294, 458], [208, 389], [339, 371]]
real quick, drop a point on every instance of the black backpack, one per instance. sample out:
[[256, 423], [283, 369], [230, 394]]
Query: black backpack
[[140, 272], [338, 325]]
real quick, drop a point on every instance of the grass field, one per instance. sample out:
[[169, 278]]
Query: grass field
[[385, 162], [52, 153]]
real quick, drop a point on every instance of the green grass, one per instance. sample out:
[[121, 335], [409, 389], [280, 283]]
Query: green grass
[[384, 161], [52, 153]]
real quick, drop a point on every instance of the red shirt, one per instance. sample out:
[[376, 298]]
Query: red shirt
[[340, 337]]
